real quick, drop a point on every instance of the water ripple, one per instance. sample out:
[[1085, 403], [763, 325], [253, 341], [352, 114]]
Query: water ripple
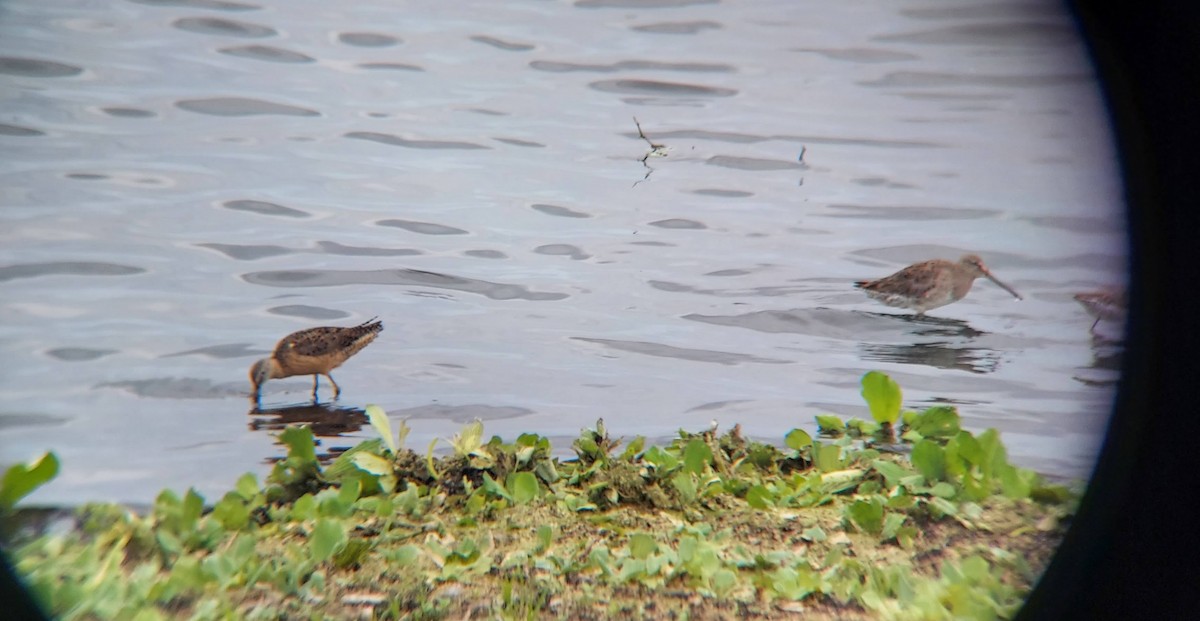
[[394, 140], [501, 44], [71, 268], [677, 27], [241, 106], [267, 53], [221, 26], [556, 210], [424, 228], [367, 39], [265, 208], [682, 353], [36, 68], [659, 88], [630, 65], [403, 277]]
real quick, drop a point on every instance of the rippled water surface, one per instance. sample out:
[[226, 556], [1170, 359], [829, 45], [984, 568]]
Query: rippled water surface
[[184, 182]]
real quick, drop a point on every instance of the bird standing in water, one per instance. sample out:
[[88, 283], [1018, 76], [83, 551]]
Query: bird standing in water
[[929, 284], [1111, 304], [315, 351]]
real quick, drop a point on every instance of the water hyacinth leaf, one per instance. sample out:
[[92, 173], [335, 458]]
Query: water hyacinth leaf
[[830, 424], [892, 472], [943, 490], [1015, 482], [685, 484], [641, 545], [378, 466], [883, 396], [939, 421], [301, 445], [523, 486], [545, 535], [696, 456], [326, 537], [21, 479], [760, 497], [383, 426], [232, 511], [469, 441], [827, 457], [891, 525], [867, 514], [797, 439], [723, 581], [930, 459], [494, 487], [247, 486], [634, 447]]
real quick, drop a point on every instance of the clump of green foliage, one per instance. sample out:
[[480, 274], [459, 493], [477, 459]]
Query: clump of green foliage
[[937, 525]]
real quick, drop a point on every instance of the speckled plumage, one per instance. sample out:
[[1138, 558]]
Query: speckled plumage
[[1110, 304], [315, 351], [930, 284]]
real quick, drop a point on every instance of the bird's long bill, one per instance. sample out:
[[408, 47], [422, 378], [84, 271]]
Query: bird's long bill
[[1004, 286]]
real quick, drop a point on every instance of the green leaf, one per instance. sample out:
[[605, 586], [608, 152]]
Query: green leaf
[[232, 511], [883, 396], [943, 490], [545, 535], [827, 457], [867, 514], [523, 486], [891, 471], [939, 421], [327, 536], [383, 425], [696, 456], [797, 439], [660, 459], [20, 479], [814, 533], [830, 424], [891, 525], [685, 484], [247, 486], [301, 445], [469, 441], [378, 466], [494, 487], [634, 447], [641, 546], [760, 497], [930, 460]]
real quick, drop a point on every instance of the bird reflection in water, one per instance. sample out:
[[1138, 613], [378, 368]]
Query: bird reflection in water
[[326, 420], [945, 353]]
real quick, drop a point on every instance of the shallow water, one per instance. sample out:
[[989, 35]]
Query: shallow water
[[187, 181]]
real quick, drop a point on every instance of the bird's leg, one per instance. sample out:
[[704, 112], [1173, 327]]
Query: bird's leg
[[316, 378], [1094, 324], [336, 390]]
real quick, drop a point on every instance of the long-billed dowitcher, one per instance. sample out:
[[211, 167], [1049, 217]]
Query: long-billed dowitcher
[[316, 352], [929, 284], [1110, 304]]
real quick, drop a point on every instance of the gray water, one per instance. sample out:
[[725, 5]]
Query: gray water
[[186, 181]]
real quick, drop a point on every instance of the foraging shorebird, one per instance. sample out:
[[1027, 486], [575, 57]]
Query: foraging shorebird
[[316, 352], [929, 284], [1110, 304]]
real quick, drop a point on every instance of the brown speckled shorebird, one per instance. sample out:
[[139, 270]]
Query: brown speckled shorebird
[[1110, 304], [316, 352], [929, 284]]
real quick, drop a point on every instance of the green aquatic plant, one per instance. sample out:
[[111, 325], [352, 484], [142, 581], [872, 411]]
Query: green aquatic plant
[[20, 480], [708, 525]]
